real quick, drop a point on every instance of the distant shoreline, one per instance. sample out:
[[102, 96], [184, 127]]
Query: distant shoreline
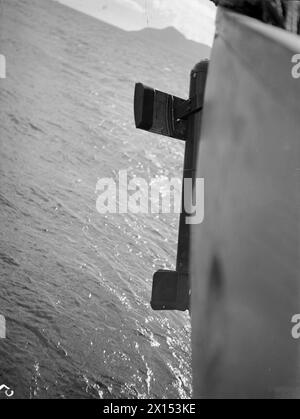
[[169, 37], [145, 28]]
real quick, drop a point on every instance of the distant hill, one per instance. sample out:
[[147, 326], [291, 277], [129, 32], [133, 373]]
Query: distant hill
[[172, 39], [167, 39]]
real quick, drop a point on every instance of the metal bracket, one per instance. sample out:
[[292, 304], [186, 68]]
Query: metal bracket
[[189, 107], [168, 115], [163, 114], [155, 111]]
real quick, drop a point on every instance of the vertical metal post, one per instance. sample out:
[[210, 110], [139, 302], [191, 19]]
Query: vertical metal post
[[197, 87]]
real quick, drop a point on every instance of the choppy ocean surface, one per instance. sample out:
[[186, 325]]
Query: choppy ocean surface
[[76, 285]]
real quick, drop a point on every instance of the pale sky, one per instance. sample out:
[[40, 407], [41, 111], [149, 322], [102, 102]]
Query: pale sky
[[194, 18]]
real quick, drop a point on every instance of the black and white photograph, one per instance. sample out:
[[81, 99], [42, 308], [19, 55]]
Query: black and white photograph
[[149, 202]]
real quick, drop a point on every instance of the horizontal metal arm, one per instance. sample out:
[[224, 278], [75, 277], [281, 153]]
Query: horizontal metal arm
[[163, 114]]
